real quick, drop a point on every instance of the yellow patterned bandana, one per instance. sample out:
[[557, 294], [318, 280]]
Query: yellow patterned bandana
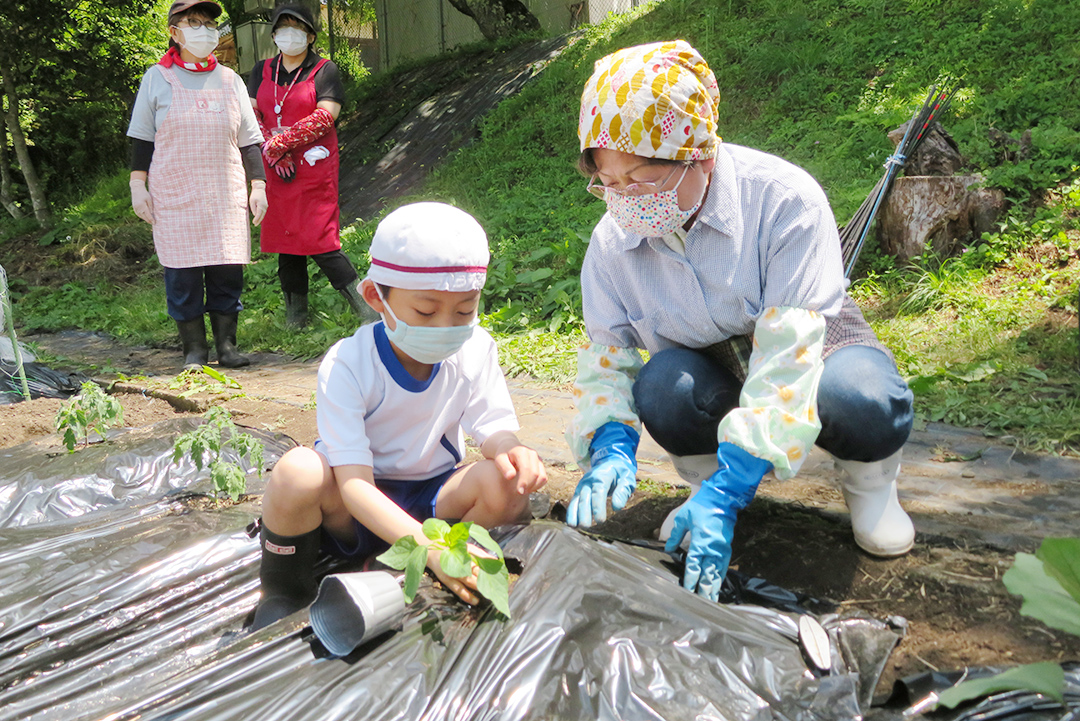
[[655, 101]]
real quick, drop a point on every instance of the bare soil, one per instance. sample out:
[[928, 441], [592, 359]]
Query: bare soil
[[950, 592]]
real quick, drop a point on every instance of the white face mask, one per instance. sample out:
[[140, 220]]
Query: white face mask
[[200, 42], [651, 216], [424, 343], [291, 41]]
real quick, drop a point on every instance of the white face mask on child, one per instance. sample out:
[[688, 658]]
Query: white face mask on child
[[426, 344]]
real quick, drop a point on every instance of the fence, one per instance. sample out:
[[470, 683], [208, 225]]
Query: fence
[[352, 34], [422, 28]]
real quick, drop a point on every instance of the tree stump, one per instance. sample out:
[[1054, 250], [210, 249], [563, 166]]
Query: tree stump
[[937, 154], [944, 212]]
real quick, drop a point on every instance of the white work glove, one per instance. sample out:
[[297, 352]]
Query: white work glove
[[140, 200], [315, 154], [257, 201]]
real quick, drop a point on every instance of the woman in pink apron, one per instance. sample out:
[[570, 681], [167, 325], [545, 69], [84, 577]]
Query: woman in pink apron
[[297, 96], [198, 142]]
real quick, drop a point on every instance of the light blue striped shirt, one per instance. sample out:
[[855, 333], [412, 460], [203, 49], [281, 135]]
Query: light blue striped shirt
[[765, 237]]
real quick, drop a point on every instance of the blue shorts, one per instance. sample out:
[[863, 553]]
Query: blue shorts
[[417, 498]]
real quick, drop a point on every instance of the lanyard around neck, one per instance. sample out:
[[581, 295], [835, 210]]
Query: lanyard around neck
[[279, 103]]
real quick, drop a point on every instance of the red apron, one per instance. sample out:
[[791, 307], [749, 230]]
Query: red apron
[[303, 216]]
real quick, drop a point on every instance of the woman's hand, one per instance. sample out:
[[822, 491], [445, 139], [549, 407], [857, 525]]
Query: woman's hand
[[140, 200], [257, 201]]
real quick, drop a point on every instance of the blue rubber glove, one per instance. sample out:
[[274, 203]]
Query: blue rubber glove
[[613, 472], [709, 518]]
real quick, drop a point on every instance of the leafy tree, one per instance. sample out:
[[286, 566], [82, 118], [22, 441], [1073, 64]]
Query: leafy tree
[[69, 76]]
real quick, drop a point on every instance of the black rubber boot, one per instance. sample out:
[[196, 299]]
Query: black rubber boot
[[287, 574], [359, 306], [193, 337], [224, 327], [296, 313]]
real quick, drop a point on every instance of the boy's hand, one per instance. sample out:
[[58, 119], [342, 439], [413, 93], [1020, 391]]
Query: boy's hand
[[463, 588], [523, 465]]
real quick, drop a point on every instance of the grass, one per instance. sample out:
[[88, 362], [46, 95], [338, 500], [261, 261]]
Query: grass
[[988, 339]]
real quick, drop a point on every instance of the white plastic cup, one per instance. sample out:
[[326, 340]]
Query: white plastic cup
[[352, 608]]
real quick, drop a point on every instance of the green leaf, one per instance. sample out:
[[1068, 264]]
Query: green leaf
[[479, 534], [456, 562], [1035, 373], [436, 529], [228, 479], [494, 584], [414, 571], [398, 555], [459, 534], [1044, 597], [1061, 559], [922, 384], [977, 373], [1046, 678], [220, 377]]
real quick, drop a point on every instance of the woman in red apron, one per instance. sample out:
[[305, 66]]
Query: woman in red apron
[[297, 96], [195, 139]]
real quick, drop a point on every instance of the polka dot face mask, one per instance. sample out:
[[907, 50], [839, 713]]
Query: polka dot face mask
[[650, 216]]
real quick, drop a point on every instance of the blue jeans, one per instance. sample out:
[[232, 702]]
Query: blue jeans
[[184, 290], [864, 405]]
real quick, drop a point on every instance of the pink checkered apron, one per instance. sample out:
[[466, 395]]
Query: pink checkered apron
[[197, 178]]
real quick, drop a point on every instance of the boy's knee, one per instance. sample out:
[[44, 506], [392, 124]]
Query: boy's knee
[[298, 476], [499, 499]]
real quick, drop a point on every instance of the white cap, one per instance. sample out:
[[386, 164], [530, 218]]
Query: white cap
[[429, 246]]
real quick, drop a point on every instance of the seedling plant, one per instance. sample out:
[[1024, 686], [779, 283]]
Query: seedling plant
[[456, 559], [212, 437], [91, 410], [1049, 582]]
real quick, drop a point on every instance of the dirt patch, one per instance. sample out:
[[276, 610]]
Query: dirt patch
[[949, 589]]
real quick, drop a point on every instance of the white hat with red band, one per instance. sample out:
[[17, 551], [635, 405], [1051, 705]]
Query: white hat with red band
[[429, 246]]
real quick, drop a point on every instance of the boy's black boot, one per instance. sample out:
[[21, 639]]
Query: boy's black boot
[[287, 574], [224, 327], [193, 338]]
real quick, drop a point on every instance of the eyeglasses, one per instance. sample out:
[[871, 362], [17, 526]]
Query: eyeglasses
[[634, 189], [197, 23]]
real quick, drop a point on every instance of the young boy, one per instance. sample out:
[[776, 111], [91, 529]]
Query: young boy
[[393, 401]]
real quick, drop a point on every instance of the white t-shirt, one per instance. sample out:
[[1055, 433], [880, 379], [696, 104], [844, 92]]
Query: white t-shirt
[[371, 412], [155, 98]]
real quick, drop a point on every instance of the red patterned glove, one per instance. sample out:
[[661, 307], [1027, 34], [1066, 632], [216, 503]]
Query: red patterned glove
[[303, 131], [285, 167]]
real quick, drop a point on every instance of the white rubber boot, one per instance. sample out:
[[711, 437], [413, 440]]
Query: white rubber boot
[[693, 470], [881, 526]]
